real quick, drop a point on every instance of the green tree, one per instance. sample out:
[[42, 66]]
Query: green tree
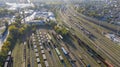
[[57, 29], [14, 31], [61, 30], [22, 30], [7, 44], [64, 31]]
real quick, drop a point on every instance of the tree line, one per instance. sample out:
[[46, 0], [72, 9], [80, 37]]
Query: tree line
[[17, 32]]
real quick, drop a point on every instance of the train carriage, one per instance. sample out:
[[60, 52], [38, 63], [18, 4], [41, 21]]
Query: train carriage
[[64, 51], [58, 52]]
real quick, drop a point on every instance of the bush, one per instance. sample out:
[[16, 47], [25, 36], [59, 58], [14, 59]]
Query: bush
[[61, 30]]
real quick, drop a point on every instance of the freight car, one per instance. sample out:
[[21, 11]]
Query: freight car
[[64, 51], [58, 52]]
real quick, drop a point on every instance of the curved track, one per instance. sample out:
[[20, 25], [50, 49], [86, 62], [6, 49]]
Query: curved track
[[106, 48]]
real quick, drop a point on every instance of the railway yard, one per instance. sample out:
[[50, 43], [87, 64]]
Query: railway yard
[[85, 45]]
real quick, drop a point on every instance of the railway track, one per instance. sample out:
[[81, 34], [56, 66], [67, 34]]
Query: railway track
[[64, 14], [109, 45], [107, 52], [112, 28]]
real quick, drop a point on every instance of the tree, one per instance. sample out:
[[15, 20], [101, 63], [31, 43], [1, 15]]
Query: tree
[[57, 29], [2, 58], [10, 39], [4, 51], [14, 31], [64, 31], [22, 30], [7, 44], [61, 30]]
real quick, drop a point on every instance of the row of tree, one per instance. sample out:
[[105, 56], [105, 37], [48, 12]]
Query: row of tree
[[16, 32]]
